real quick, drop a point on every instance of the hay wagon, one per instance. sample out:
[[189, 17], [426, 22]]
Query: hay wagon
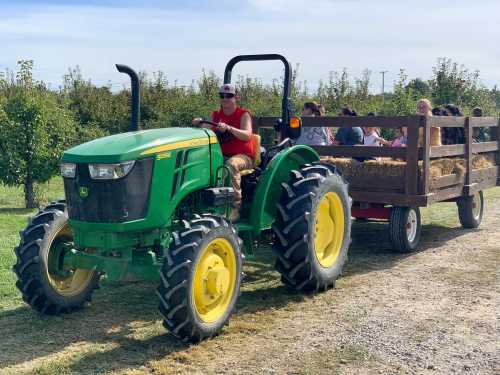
[[401, 180]]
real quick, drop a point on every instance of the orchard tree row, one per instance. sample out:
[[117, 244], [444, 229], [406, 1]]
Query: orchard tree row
[[38, 123]]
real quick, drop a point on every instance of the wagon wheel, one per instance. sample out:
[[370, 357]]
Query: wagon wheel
[[470, 210], [405, 227]]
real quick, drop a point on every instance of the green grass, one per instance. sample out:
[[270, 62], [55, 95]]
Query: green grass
[[13, 218]]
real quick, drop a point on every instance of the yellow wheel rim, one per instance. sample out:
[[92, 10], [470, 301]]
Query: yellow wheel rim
[[214, 280], [329, 229], [75, 281]]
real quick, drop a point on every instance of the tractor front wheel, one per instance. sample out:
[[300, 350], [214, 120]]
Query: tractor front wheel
[[312, 228], [200, 278], [43, 281]]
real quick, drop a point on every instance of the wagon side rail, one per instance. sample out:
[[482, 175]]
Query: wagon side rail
[[449, 187], [414, 189]]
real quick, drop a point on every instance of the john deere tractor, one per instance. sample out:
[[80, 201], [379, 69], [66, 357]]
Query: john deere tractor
[[153, 204]]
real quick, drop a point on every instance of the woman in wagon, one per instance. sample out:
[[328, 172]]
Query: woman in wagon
[[347, 136], [314, 136], [424, 108]]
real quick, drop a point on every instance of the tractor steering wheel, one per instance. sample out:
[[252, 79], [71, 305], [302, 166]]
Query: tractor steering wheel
[[208, 123], [222, 137]]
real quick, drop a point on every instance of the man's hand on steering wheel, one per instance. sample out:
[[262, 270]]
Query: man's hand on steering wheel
[[223, 127], [196, 121], [220, 127]]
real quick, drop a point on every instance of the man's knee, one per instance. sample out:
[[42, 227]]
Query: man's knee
[[238, 163]]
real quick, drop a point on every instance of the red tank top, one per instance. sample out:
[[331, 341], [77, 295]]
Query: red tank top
[[234, 146]]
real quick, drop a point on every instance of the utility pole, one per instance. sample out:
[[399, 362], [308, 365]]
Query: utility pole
[[383, 85]]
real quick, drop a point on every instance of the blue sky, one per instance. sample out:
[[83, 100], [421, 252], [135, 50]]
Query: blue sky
[[183, 37]]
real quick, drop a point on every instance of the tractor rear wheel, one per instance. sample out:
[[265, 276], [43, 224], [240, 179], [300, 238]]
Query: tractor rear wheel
[[44, 284], [312, 228], [470, 210], [200, 278]]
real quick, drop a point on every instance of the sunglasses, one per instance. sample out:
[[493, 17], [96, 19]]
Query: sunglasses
[[226, 96]]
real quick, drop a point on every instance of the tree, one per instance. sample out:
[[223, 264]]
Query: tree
[[421, 89], [35, 131], [402, 101], [453, 83], [94, 106]]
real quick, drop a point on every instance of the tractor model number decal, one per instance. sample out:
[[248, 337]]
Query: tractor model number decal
[[163, 156]]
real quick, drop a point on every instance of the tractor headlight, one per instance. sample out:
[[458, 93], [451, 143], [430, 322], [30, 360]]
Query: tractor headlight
[[110, 171], [68, 170]]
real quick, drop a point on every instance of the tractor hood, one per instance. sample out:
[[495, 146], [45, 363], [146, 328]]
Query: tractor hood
[[137, 145]]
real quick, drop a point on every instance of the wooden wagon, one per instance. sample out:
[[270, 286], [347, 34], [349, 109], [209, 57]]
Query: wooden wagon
[[406, 182]]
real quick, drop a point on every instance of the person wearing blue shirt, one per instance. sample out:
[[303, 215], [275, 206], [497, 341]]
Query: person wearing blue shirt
[[347, 136]]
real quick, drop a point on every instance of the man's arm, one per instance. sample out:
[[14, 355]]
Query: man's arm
[[245, 131], [382, 141]]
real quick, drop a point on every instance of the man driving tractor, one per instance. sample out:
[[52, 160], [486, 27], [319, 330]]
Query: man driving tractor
[[234, 130]]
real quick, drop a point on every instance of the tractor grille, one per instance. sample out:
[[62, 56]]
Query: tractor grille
[[110, 201]]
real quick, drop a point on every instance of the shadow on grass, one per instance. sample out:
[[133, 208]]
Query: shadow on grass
[[371, 248], [112, 318], [119, 315], [118, 309]]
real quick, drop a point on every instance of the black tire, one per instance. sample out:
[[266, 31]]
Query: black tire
[[469, 213], [295, 226], [37, 245], [405, 239], [177, 300]]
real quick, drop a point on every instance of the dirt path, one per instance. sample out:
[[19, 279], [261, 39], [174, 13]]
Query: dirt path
[[431, 312], [434, 312]]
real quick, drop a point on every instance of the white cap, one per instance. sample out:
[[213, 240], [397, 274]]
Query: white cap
[[227, 89]]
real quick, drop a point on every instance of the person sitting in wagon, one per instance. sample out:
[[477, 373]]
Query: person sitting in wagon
[[346, 135], [235, 133], [371, 135], [399, 138], [314, 136], [424, 108]]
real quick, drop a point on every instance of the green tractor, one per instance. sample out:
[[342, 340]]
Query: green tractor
[[153, 204]]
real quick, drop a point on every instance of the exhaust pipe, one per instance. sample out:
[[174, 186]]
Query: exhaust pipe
[[136, 101]]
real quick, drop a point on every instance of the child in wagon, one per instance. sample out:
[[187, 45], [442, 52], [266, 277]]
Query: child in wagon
[[371, 136], [399, 139]]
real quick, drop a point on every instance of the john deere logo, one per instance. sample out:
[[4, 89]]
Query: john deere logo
[[84, 192]]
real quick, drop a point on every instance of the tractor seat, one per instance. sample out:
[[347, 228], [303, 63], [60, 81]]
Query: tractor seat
[[256, 155]]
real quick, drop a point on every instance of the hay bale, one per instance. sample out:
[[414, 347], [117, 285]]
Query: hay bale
[[387, 167], [381, 167], [446, 166]]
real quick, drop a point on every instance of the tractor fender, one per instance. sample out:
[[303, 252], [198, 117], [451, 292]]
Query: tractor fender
[[268, 191]]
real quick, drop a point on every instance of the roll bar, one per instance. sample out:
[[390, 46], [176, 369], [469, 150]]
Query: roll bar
[[285, 103]]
